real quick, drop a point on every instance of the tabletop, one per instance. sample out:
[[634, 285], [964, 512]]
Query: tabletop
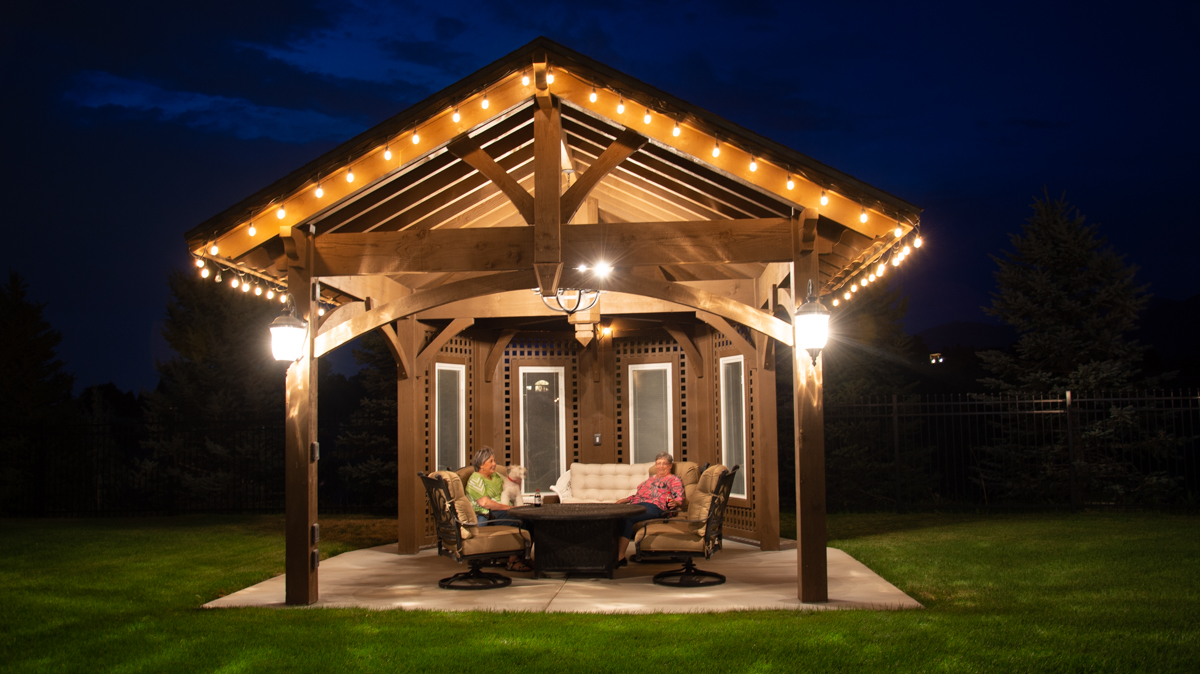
[[577, 511]]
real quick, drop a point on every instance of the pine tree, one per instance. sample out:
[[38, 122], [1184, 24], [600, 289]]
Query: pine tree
[[1073, 302], [34, 399]]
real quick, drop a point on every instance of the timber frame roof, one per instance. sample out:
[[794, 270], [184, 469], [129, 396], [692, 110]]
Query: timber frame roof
[[456, 200]]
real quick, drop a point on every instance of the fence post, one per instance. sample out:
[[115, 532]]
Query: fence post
[[896, 447], [1071, 453]]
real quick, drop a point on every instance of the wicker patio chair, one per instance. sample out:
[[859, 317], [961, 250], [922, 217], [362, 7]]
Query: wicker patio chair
[[685, 538], [461, 538]]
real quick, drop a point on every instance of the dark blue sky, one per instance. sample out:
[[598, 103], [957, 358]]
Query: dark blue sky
[[128, 123]]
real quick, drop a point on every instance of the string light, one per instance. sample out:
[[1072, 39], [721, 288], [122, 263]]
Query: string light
[[862, 217], [234, 283], [582, 267], [716, 148], [871, 277], [603, 269], [864, 281], [204, 273], [753, 165], [675, 131], [270, 294], [212, 250], [245, 286], [416, 137], [853, 287], [257, 290], [847, 295], [252, 230], [319, 192], [349, 175], [906, 251], [896, 261], [836, 301], [280, 213], [824, 198], [592, 97], [218, 279], [525, 78], [321, 310], [457, 117], [646, 119], [549, 75], [881, 268], [899, 231], [917, 242], [283, 298], [199, 262], [387, 152], [621, 106], [791, 184], [485, 103]]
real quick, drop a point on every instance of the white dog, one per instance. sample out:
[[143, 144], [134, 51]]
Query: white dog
[[511, 494]]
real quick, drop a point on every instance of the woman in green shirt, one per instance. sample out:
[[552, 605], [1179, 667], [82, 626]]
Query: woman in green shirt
[[483, 489]]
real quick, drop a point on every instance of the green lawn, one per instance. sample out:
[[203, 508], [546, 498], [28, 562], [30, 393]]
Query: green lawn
[[1003, 593]]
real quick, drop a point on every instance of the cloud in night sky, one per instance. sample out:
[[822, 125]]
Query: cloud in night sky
[[235, 117]]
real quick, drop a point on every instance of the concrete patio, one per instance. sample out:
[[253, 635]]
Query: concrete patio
[[377, 578]]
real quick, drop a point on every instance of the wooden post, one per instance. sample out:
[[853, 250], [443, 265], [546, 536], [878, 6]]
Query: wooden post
[[812, 572], [410, 443], [301, 555], [547, 188], [766, 453]]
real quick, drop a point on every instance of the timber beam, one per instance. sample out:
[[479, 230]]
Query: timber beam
[[467, 149]]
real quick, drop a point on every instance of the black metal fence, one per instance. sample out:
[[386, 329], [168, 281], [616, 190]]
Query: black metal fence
[[896, 452], [1074, 450]]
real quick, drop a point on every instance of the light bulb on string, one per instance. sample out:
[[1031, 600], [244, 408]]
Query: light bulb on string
[[675, 131], [917, 242], [283, 298], [592, 97], [525, 79], [387, 152], [836, 301], [416, 137], [899, 232], [716, 148], [280, 213], [791, 184], [320, 191], [847, 295], [871, 278], [906, 251], [896, 261], [204, 273], [621, 106], [603, 269], [199, 262], [321, 310], [853, 287], [864, 281], [218, 279], [646, 119], [270, 294], [212, 250], [258, 290], [457, 117], [349, 175], [549, 75], [245, 286], [862, 217], [485, 103], [753, 164], [881, 268], [234, 283], [824, 198], [252, 230]]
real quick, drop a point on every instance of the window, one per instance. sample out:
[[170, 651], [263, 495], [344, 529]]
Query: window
[[733, 421], [650, 429], [451, 436], [543, 426]]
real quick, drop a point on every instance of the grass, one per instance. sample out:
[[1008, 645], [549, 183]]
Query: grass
[[1111, 592]]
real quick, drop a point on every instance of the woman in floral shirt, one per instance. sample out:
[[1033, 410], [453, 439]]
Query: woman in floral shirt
[[660, 493]]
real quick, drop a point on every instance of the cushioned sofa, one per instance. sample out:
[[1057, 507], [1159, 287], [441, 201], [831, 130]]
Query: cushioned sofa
[[610, 482]]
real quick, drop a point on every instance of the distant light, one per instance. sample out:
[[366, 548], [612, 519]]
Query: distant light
[[582, 267], [881, 268], [282, 298], [212, 250], [863, 282], [457, 117], [675, 131], [592, 97], [606, 331], [824, 198], [603, 269]]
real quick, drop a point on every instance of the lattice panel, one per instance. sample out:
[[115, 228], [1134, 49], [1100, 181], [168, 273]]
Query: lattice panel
[[641, 348], [557, 352]]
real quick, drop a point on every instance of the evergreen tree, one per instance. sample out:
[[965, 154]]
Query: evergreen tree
[[1073, 302], [366, 445], [34, 399]]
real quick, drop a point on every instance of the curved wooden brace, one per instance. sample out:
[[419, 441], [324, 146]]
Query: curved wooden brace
[[345, 331]]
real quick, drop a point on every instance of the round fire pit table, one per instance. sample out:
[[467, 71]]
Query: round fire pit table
[[575, 537]]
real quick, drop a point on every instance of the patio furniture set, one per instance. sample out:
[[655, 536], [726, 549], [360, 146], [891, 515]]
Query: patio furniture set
[[577, 529]]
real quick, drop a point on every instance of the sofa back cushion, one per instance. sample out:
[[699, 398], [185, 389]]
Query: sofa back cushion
[[606, 481]]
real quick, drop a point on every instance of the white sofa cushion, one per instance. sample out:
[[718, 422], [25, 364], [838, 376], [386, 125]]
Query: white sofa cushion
[[563, 486], [605, 482]]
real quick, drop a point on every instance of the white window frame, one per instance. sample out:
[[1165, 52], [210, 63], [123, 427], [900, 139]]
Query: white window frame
[[562, 412], [462, 409], [725, 416], [633, 403]]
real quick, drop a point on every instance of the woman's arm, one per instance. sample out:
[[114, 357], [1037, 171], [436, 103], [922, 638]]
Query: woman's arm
[[492, 505]]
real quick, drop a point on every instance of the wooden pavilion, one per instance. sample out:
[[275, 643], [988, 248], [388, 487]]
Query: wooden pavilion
[[461, 229]]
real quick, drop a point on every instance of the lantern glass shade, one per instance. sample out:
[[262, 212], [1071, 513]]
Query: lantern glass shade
[[287, 337], [812, 329]]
